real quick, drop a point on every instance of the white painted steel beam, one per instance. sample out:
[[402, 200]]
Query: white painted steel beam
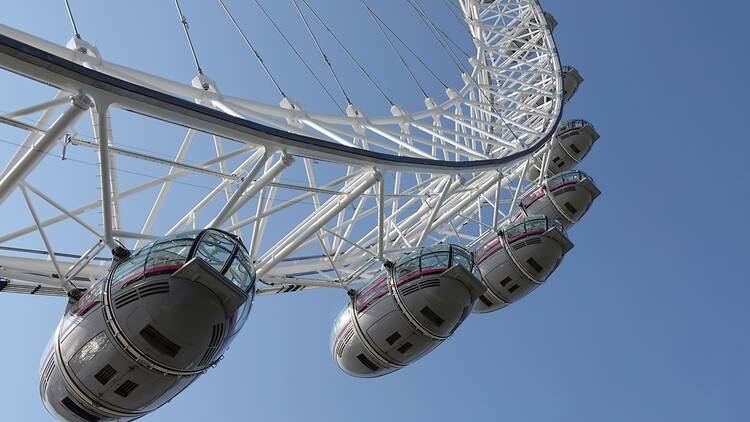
[[34, 156], [100, 123], [311, 225], [250, 187]]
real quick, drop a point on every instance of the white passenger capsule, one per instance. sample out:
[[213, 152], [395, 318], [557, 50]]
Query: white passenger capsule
[[518, 260], [528, 35], [572, 142], [565, 197], [406, 312], [551, 21], [152, 325], [571, 81]]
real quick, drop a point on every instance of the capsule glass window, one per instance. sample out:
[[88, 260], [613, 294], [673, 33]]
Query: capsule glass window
[[572, 177], [515, 231], [462, 258], [130, 271], [407, 268], [435, 261], [216, 249], [240, 274], [536, 225], [242, 313], [556, 224], [339, 325], [168, 255]]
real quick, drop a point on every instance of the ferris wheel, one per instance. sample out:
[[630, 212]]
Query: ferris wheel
[[420, 217]]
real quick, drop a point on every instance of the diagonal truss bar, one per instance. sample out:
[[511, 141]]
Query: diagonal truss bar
[[33, 156], [317, 220], [249, 188]]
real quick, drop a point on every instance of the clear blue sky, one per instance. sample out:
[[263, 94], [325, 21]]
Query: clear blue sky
[[645, 320]]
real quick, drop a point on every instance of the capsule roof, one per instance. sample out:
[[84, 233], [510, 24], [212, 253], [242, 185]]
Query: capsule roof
[[551, 21]]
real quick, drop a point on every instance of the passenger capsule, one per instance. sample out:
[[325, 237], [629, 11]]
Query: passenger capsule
[[571, 81], [551, 21], [518, 259], [572, 142], [148, 328], [527, 36], [565, 197], [404, 313]]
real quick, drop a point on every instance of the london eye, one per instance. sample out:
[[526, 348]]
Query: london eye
[[418, 217]]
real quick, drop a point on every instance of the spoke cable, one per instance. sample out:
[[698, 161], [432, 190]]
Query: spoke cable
[[186, 28], [72, 20], [428, 23], [299, 56], [437, 34], [346, 50], [453, 9], [453, 43], [416, 56], [395, 50], [322, 53], [250, 46]]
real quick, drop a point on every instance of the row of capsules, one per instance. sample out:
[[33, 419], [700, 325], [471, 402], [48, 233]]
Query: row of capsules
[[423, 297]]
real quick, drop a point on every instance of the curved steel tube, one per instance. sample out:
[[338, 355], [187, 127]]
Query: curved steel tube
[[25, 59]]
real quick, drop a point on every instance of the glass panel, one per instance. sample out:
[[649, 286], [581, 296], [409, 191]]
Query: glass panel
[[433, 261], [130, 270], [242, 313], [555, 182], [572, 177], [462, 258], [374, 290], [89, 299], [239, 274], [215, 248], [477, 273], [342, 321], [515, 231], [189, 235], [407, 268], [537, 224], [169, 255]]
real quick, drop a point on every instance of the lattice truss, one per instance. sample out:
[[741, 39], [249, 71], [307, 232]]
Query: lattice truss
[[312, 213]]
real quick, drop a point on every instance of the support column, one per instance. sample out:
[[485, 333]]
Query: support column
[[381, 219], [100, 122]]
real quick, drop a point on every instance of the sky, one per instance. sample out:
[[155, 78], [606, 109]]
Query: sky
[[646, 319]]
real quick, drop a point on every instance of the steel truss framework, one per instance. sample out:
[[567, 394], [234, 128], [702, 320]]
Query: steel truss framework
[[375, 187]]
